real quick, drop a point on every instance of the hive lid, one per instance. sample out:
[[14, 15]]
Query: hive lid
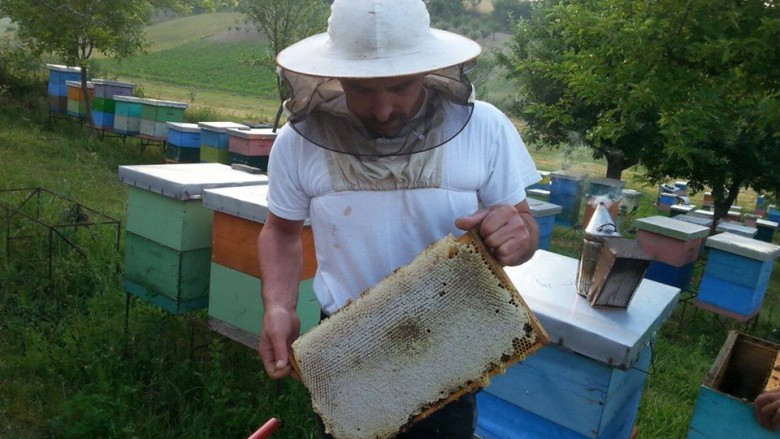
[[631, 193], [247, 202], [705, 222], [613, 337], [186, 181], [736, 228], [743, 246], [161, 103], [90, 84], [253, 133], [133, 99], [183, 127], [566, 175], [683, 208], [543, 208], [220, 127], [61, 68], [767, 223], [671, 227], [114, 83]]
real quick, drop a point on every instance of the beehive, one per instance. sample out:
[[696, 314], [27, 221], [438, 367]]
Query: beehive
[[104, 105], [183, 144], [544, 213], [76, 105], [167, 260], [589, 380], [674, 245], [214, 141], [736, 275], [736, 228], [566, 190], [235, 303], [58, 87], [765, 230], [127, 115], [724, 408], [417, 339], [154, 115], [251, 146]]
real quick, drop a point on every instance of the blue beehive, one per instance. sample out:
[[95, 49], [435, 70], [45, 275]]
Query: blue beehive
[[214, 141], [544, 213], [765, 230], [736, 276], [566, 191], [589, 382], [58, 88], [773, 214], [183, 145], [724, 408]]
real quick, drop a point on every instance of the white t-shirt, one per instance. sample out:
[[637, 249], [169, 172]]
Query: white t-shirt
[[361, 236]]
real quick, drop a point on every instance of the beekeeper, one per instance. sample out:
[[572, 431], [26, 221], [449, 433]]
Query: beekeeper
[[385, 151]]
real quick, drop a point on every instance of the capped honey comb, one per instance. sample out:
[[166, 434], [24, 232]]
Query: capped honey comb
[[423, 336]]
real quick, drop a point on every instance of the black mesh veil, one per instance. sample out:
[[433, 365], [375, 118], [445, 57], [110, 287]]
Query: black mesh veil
[[317, 111]]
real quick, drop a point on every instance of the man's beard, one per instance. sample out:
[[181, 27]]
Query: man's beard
[[389, 128]]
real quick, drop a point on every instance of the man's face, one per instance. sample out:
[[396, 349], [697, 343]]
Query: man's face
[[384, 105]]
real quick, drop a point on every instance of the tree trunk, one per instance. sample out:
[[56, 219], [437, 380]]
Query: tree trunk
[[615, 166], [87, 99]]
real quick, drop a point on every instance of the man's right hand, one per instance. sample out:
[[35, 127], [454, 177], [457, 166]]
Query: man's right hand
[[281, 328], [768, 409]]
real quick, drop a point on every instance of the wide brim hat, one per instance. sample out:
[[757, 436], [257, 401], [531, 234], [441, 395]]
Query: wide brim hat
[[376, 39]]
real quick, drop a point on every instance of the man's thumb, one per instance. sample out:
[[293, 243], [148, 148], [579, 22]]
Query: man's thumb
[[470, 221]]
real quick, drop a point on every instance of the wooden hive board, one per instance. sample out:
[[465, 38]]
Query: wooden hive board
[[773, 382]]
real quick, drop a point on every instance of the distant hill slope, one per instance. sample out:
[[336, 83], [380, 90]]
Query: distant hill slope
[[200, 52], [220, 26]]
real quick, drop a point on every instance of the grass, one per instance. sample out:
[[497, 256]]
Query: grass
[[203, 64], [69, 369]]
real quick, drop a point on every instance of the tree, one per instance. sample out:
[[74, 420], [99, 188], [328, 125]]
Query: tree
[[283, 22], [688, 89], [506, 13], [721, 116], [574, 85], [75, 29]]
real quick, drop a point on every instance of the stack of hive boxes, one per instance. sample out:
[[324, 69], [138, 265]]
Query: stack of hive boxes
[[235, 303], [587, 383], [183, 143], [674, 245], [168, 240], [76, 105], [251, 147], [214, 141], [58, 88], [127, 115], [154, 115], [736, 275], [104, 105]]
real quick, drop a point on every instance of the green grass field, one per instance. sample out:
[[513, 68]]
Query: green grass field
[[75, 365]]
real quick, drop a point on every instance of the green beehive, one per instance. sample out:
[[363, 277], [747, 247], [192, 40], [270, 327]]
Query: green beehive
[[154, 115], [236, 306], [127, 115], [168, 248], [235, 295]]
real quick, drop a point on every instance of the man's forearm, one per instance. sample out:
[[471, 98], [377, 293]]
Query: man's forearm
[[281, 262]]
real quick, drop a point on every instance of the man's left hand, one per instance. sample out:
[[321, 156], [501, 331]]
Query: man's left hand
[[509, 231]]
